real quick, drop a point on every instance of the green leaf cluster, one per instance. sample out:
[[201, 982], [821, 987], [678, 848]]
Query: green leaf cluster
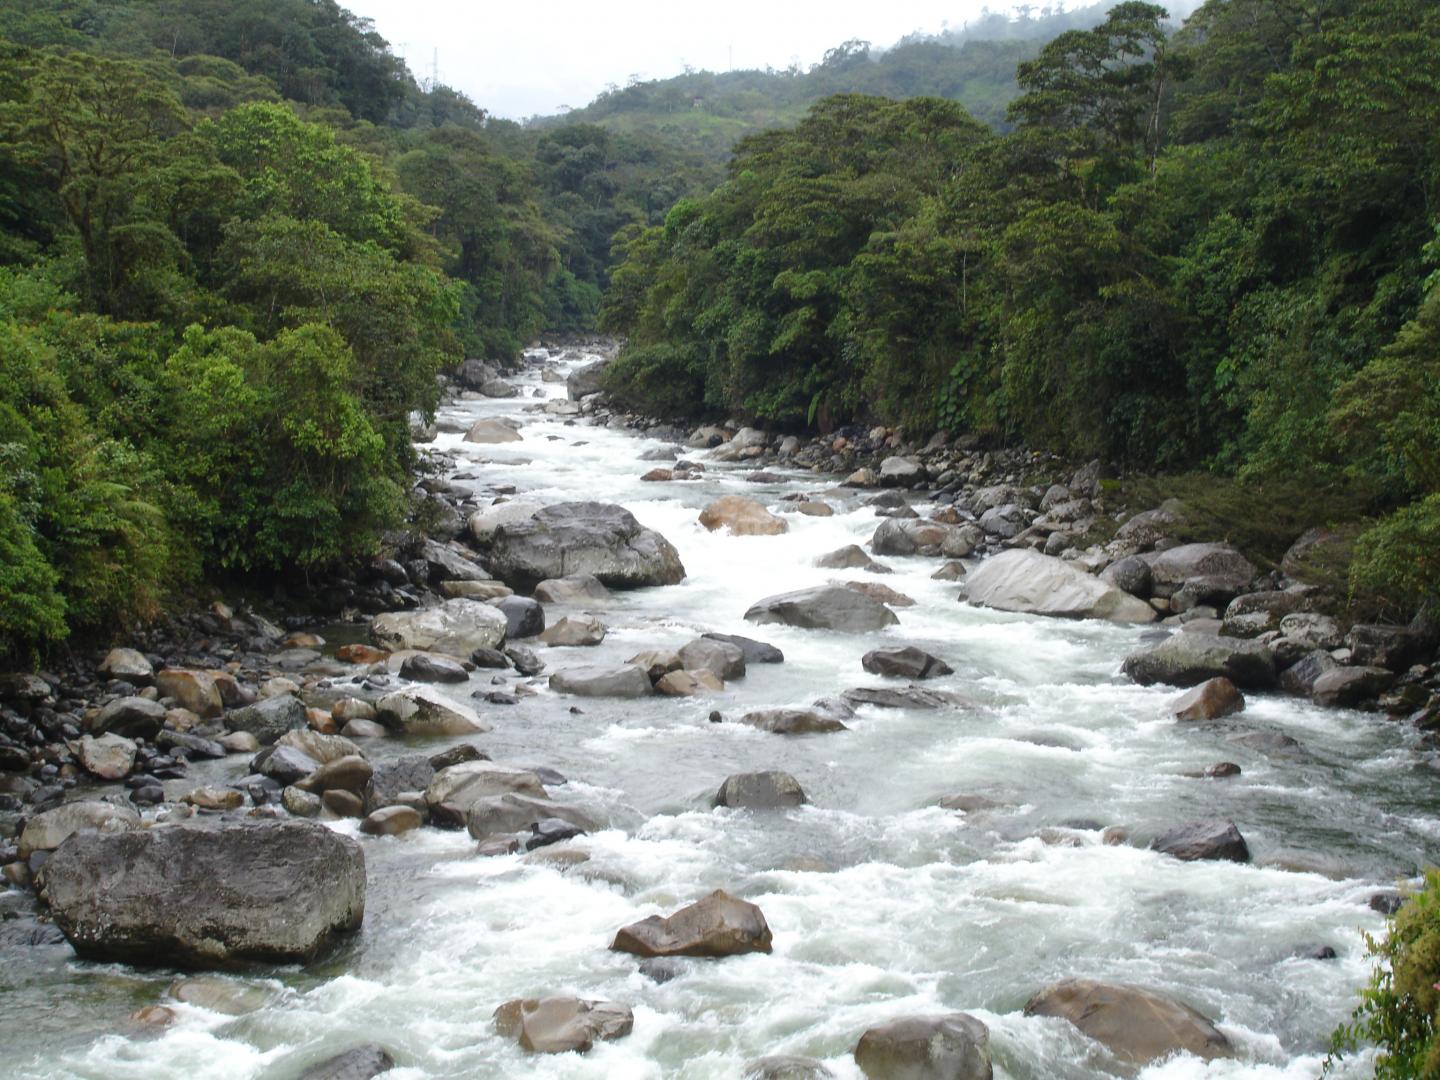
[[1399, 1011]]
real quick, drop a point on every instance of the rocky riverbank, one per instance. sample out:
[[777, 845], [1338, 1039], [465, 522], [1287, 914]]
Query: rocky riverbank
[[245, 731]]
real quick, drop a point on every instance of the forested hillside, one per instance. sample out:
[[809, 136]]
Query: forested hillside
[[708, 112], [1214, 249]]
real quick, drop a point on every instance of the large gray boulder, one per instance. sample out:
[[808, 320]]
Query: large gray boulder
[[1190, 658], [133, 717], [953, 1046], [585, 380], [487, 431], [513, 812], [393, 779], [599, 539], [1131, 1022], [921, 536], [128, 664], [718, 925], [755, 652], [906, 663], [760, 791], [626, 681], [48, 830], [1026, 581], [709, 654], [423, 710], [485, 521], [453, 790], [268, 892], [110, 757], [826, 607], [1216, 839], [1219, 564], [1348, 686], [269, 719], [455, 628]]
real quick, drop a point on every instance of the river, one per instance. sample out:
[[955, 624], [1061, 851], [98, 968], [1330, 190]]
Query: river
[[882, 904]]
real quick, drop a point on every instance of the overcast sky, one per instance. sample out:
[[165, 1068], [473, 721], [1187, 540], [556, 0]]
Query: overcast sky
[[517, 58]]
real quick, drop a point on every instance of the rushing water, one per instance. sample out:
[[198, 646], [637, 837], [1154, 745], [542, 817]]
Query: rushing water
[[881, 903]]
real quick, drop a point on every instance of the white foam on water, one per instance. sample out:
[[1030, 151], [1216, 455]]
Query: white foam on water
[[882, 904]]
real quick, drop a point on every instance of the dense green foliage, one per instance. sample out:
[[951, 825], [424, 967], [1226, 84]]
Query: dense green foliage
[[216, 317], [1206, 249], [1399, 1011]]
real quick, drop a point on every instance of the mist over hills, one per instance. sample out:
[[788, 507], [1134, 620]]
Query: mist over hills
[[974, 63]]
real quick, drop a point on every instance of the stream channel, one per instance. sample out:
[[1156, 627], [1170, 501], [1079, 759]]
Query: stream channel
[[882, 904]]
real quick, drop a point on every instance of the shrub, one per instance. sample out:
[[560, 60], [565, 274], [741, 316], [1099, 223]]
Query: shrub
[[1399, 1009]]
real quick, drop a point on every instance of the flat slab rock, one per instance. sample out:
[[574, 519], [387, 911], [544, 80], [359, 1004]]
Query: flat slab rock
[[361, 1063], [1028, 582], [906, 663], [718, 925], [559, 1025], [827, 607], [626, 681], [793, 721], [267, 892], [1132, 1022]]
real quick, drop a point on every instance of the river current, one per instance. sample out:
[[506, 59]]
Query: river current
[[882, 904]]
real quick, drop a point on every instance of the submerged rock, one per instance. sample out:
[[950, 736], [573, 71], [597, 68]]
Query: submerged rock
[[906, 663], [792, 721], [361, 1063], [1216, 839], [271, 892], [1192, 657], [785, 1067], [1131, 1022], [718, 925], [627, 681], [954, 1046], [1211, 700], [770, 790], [559, 1025], [826, 607]]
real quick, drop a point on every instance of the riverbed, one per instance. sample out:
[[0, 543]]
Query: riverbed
[[881, 903]]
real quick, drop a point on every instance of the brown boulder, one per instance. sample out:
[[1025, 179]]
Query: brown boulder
[[1133, 1023], [1210, 700], [742, 517], [955, 1046], [559, 1025], [718, 925]]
